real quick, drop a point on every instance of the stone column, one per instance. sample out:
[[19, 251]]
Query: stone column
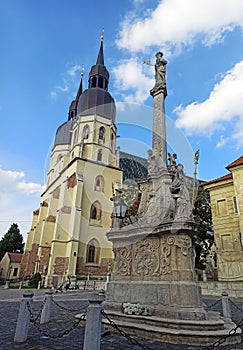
[[93, 323], [46, 311], [23, 321], [159, 130], [225, 305]]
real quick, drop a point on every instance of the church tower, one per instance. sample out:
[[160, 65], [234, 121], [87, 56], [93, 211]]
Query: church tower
[[67, 236]]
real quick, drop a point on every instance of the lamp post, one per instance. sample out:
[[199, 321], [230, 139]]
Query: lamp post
[[119, 210]]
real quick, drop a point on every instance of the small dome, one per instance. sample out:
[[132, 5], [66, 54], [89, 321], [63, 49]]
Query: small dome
[[63, 134], [97, 101]]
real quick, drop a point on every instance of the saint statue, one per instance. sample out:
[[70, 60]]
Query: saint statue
[[160, 70]]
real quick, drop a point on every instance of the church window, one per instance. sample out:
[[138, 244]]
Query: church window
[[102, 133], [95, 211], [86, 132], [99, 155], [93, 252], [99, 183], [106, 84], [93, 82], [100, 82], [112, 142], [59, 158]]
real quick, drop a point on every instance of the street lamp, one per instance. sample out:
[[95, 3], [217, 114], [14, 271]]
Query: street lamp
[[119, 210]]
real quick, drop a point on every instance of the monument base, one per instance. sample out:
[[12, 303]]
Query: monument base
[[176, 331], [153, 292]]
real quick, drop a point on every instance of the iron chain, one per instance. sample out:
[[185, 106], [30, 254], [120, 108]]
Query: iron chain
[[46, 334], [124, 334], [235, 305], [214, 304], [224, 338], [66, 309]]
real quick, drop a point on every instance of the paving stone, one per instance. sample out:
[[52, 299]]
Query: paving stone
[[62, 320]]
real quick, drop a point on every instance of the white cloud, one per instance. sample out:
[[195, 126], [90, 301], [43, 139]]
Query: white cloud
[[18, 200], [223, 105], [30, 187], [222, 141], [64, 88], [74, 69], [129, 76], [53, 94], [178, 22]]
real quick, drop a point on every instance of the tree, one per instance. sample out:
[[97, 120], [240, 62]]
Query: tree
[[12, 241], [203, 217]]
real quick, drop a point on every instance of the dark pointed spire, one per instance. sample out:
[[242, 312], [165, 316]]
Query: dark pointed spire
[[100, 58], [80, 89]]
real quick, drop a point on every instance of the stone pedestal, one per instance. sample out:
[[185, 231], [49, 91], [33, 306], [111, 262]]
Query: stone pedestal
[[154, 272]]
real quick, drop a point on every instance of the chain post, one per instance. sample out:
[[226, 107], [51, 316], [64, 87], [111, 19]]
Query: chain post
[[23, 320], [93, 322], [46, 311], [225, 305]]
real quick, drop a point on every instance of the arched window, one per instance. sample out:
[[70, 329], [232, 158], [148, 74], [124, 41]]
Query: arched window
[[100, 82], [99, 155], [96, 211], [86, 132], [93, 81], [93, 252], [75, 136], [102, 133], [59, 157], [99, 183], [112, 142]]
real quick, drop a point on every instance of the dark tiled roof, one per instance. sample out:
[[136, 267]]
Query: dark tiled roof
[[222, 178], [236, 162], [15, 257], [133, 166]]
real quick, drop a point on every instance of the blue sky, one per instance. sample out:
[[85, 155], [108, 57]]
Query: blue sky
[[45, 44]]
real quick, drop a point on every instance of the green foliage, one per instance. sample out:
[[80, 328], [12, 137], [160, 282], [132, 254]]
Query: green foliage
[[203, 217], [34, 280], [12, 241]]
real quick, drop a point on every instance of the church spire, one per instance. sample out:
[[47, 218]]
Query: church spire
[[100, 58]]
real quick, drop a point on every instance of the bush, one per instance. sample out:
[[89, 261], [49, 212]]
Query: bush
[[34, 280]]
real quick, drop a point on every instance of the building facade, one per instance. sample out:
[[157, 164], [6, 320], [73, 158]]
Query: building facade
[[67, 236], [10, 266], [226, 196]]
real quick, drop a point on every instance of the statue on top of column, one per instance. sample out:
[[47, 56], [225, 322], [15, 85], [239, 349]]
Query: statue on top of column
[[160, 71]]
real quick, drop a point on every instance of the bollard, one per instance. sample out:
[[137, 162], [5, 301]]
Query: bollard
[[23, 320], [93, 323], [225, 305], [20, 284], [46, 311], [7, 284]]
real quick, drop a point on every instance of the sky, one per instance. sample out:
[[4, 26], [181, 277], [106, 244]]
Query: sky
[[46, 44]]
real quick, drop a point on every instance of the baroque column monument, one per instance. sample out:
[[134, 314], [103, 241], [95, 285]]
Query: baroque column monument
[[153, 291]]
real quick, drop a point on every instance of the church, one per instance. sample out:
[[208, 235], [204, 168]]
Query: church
[[67, 235]]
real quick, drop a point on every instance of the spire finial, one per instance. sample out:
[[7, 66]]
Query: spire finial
[[82, 72], [102, 35]]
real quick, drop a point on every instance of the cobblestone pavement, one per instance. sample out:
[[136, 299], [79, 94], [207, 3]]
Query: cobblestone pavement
[[65, 306]]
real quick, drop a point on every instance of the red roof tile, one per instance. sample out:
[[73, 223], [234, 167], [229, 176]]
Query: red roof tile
[[238, 161], [15, 257], [222, 178]]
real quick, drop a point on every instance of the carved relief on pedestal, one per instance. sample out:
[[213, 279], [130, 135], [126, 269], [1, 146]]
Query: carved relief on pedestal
[[184, 243], [146, 257], [123, 261], [165, 254]]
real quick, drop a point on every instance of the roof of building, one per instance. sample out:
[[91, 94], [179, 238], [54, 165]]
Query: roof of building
[[236, 162], [133, 167], [15, 257], [222, 178]]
